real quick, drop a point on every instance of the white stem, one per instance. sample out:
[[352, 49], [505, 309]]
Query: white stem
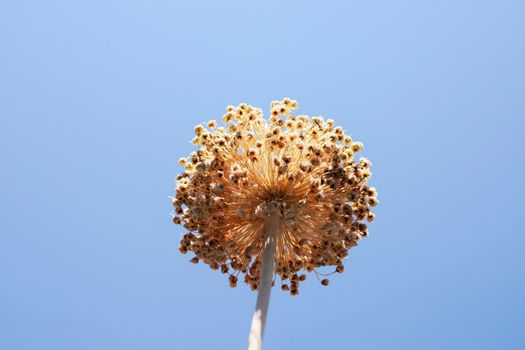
[[265, 283]]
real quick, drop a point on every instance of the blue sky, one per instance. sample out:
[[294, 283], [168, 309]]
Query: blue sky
[[98, 100]]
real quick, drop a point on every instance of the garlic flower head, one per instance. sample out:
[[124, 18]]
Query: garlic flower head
[[302, 169]]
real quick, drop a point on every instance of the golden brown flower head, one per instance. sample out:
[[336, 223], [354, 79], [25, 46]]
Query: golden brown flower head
[[300, 168]]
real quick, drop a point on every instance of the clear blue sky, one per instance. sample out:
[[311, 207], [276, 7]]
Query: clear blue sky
[[98, 100]]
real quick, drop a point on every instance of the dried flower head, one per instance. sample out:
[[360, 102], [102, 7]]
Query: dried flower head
[[301, 169]]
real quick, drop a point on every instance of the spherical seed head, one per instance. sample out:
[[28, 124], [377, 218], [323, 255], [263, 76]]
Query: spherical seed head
[[298, 169]]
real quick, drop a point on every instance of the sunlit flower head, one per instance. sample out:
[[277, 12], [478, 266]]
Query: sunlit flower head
[[302, 169]]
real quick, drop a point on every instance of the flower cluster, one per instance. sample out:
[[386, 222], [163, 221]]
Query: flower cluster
[[304, 169]]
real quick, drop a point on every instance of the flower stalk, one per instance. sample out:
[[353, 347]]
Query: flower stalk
[[266, 279]]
